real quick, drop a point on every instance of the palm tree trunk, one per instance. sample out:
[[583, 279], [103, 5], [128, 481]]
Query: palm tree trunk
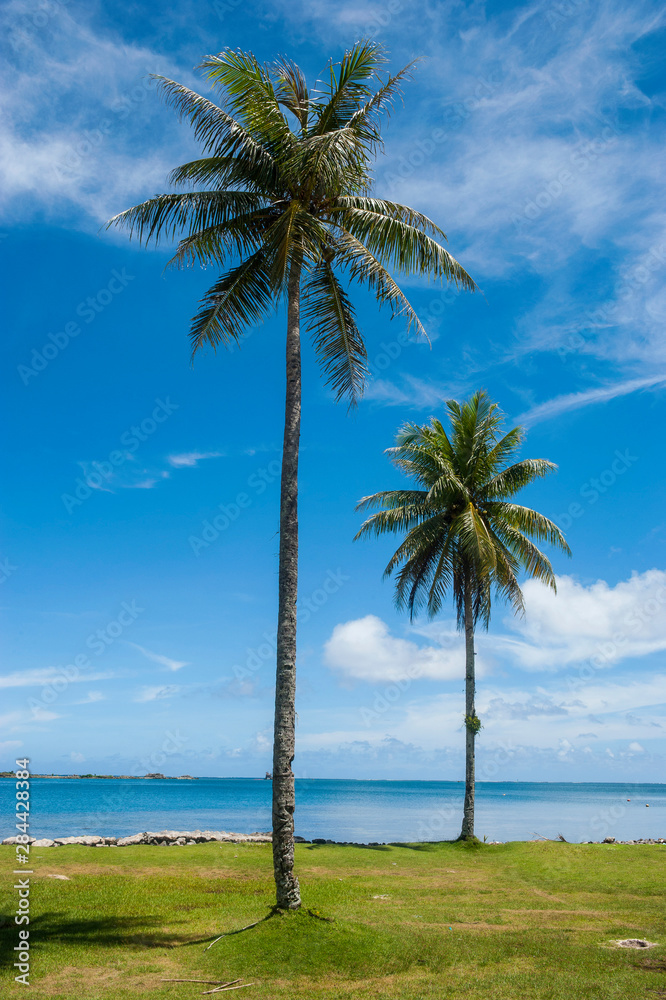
[[470, 713], [286, 883]]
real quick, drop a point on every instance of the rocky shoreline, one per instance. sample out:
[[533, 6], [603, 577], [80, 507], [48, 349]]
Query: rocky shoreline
[[181, 838], [176, 838]]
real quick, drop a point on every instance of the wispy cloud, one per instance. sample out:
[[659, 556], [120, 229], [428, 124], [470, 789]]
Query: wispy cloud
[[164, 661], [93, 105], [577, 400], [46, 675], [191, 458], [91, 698], [157, 693]]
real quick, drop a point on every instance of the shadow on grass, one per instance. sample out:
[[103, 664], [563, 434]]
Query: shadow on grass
[[110, 932], [365, 847], [423, 846]]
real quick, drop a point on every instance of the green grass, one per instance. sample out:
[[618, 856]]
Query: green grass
[[520, 920]]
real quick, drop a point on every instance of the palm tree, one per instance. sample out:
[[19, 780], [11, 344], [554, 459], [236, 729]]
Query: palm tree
[[464, 536], [281, 197]]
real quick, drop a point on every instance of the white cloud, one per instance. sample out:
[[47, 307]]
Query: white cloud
[[74, 136], [593, 622], [364, 649], [77, 757], [91, 698], [577, 400], [191, 458], [46, 675], [511, 717], [165, 661], [598, 622], [157, 693], [636, 747]]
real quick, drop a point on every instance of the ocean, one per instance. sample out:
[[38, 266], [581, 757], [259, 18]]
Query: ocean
[[338, 809]]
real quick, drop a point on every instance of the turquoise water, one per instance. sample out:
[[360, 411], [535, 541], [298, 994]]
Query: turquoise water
[[359, 811]]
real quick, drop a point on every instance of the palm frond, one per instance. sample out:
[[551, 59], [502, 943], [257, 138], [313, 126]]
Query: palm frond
[[388, 209], [530, 522], [167, 214], [255, 176], [405, 247], [250, 94], [214, 128], [338, 343], [475, 540], [526, 554], [240, 298], [365, 269], [510, 481], [291, 91], [505, 448], [242, 235], [404, 510], [366, 119], [349, 88]]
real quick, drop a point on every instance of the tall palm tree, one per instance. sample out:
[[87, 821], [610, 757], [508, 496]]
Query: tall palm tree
[[465, 538], [282, 198]]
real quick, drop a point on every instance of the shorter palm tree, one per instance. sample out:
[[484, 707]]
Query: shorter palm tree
[[465, 538]]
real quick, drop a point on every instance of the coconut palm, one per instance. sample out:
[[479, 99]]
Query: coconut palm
[[281, 197], [465, 538]]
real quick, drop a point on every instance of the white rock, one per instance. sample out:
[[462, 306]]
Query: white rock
[[137, 838], [86, 841], [44, 843]]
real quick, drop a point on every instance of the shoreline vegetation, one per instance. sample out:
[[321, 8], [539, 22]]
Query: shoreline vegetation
[[113, 777]]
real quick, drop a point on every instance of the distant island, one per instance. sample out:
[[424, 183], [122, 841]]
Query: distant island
[[114, 777]]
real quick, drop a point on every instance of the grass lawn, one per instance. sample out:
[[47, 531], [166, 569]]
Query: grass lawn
[[519, 920]]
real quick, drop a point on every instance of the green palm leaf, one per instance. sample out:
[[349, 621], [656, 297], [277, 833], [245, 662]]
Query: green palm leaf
[[239, 299], [338, 343]]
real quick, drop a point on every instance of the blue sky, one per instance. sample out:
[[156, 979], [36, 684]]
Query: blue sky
[[139, 544]]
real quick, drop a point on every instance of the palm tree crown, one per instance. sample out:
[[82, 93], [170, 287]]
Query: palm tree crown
[[462, 524], [283, 200]]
